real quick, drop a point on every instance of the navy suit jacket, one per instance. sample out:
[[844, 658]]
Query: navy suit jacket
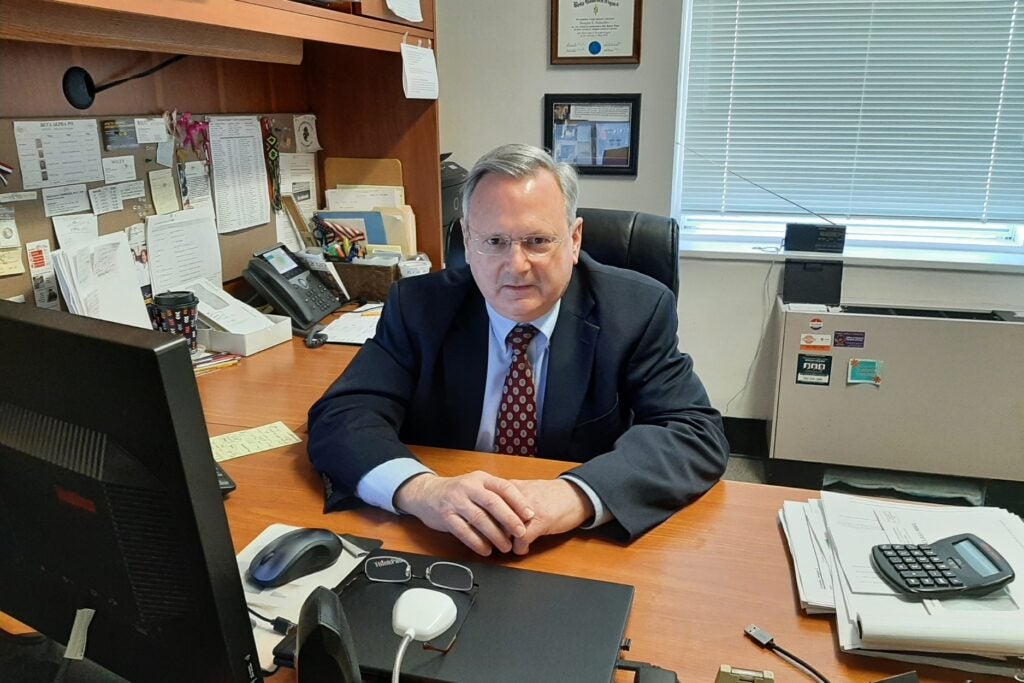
[[621, 399]]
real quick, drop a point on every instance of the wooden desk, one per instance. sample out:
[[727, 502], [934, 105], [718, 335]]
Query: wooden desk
[[701, 577]]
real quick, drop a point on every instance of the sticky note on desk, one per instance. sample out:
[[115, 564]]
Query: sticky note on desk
[[249, 441]]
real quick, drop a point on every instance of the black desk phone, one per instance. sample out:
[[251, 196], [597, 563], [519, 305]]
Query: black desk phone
[[961, 565], [290, 287]]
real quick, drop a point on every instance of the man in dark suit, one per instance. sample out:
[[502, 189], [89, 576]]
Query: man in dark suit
[[534, 349]]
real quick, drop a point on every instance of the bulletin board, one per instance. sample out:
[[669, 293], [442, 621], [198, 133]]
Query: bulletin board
[[236, 248]]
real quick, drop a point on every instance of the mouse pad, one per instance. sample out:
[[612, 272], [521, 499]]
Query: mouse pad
[[520, 626]]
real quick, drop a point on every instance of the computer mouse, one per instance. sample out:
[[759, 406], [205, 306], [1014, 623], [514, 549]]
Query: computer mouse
[[294, 555]]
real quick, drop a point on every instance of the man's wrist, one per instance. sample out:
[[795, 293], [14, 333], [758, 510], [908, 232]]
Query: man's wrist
[[406, 492], [583, 506], [600, 514]]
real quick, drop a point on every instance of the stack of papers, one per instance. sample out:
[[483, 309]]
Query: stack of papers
[[97, 278], [830, 541], [355, 327]]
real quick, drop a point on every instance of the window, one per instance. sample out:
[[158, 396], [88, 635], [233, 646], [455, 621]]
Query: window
[[902, 119]]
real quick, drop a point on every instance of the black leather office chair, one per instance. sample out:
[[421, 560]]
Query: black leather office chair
[[642, 242]]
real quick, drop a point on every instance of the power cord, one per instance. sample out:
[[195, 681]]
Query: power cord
[[280, 624], [420, 614], [396, 670], [765, 640], [766, 303]]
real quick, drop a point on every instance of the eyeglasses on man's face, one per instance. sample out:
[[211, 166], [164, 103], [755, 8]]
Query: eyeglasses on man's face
[[447, 575], [540, 244]]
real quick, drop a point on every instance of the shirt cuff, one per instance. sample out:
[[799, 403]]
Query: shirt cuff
[[601, 514], [378, 486]]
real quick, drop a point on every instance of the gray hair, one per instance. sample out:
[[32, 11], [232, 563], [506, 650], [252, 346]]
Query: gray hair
[[523, 161]]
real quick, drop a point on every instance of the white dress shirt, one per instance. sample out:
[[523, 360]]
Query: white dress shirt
[[378, 486]]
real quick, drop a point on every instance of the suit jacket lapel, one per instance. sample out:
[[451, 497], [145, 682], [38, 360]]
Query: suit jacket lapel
[[465, 366], [570, 363]]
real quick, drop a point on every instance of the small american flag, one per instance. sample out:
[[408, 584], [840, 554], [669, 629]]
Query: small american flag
[[335, 230]]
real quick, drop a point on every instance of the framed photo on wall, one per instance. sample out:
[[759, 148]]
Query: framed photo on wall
[[598, 134], [595, 31]]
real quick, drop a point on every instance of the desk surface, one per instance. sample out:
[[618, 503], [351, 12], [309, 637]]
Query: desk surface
[[701, 577]]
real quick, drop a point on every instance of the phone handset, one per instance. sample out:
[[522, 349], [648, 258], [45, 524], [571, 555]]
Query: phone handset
[[290, 287], [280, 293]]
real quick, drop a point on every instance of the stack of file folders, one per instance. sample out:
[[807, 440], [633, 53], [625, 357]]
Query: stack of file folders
[[209, 362], [830, 540]]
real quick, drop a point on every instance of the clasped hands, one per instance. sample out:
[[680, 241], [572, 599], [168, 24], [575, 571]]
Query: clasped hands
[[488, 513]]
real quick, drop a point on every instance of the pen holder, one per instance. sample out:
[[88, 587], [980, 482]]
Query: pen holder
[[177, 311]]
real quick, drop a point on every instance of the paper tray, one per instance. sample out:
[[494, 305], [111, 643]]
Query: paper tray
[[246, 344]]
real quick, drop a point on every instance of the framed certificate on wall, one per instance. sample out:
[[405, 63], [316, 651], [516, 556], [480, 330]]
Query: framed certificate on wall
[[595, 31]]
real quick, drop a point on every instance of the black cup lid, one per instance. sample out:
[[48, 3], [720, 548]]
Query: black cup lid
[[175, 299]]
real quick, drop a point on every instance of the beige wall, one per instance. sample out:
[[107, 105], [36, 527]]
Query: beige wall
[[493, 65]]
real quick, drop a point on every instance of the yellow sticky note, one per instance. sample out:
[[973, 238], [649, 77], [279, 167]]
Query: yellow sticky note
[[10, 262], [249, 441]]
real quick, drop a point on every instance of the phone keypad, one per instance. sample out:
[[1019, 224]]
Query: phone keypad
[[920, 567]]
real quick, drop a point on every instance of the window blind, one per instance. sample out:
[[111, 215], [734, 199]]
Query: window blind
[[885, 109]]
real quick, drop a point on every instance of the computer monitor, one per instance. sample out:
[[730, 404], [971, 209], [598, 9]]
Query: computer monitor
[[109, 500]]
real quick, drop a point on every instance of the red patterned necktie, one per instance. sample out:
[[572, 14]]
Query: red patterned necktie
[[515, 432]]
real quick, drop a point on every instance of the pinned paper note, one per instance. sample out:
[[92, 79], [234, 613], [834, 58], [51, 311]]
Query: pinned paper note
[[44, 281], [135, 189], [53, 153], [239, 174], [119, 169], [151, 130], [195, 184], [183, 247], [18, 197], [161, 186], [58, 201], [10, 262], [106, 199], [298, 178], [165, 153], [9, 237], [249, 441], [305, 134], [140, 253], [409, 10], [419, 72], [74, 230]]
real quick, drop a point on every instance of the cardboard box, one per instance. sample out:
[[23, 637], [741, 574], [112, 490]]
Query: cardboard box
[[246, 344]]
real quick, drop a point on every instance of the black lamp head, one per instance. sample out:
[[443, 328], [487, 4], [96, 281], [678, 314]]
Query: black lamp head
[[79, 88]]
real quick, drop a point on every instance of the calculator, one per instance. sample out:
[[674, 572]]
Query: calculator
[[962, 565]]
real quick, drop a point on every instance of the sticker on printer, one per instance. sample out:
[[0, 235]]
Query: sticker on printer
[[849, 340], [864, 371], [815, 342], [813, 369]]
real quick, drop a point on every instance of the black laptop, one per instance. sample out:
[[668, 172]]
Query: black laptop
[[519, 626]]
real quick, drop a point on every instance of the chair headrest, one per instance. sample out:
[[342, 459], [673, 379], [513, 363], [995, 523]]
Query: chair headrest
[[643, 242]]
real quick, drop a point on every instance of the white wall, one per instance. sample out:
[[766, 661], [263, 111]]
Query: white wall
[[494, 72]]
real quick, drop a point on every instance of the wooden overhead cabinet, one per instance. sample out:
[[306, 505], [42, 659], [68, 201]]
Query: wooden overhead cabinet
[[250, 56]]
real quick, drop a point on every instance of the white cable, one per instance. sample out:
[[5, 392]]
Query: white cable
[[766, 302], [396, 670]]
